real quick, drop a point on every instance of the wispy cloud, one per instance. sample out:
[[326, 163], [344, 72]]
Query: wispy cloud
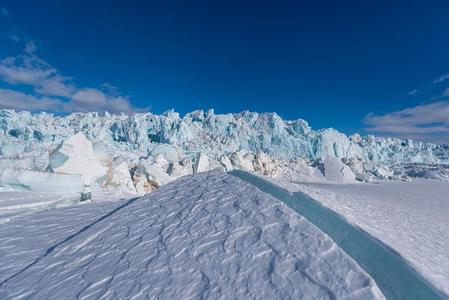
[[29, 69], [441, 78], [445, 92], [17, 100], [427, 122], [413, 92], [4, 13], [89, 99], [14, 38], [52, 90], [30, 47]]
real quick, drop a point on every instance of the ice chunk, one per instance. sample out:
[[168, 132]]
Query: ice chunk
[[143, 186], [119, 176], [177, 169], [335, 170], [226, 163], [264, 165], [160, 160], [75, 156], [242, 160], [9, 149], [201, 163], [153, 173]]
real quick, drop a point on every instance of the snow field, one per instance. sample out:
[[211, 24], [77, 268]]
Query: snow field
[[410, 217], [209, 235]]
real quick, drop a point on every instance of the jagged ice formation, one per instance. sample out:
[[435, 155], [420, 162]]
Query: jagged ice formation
[[200, 140]]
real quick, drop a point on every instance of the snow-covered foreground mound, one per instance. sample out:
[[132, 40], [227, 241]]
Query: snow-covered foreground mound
[[206, 235], [410, 217]]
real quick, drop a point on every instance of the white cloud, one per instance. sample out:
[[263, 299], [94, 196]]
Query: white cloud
[[427, 122], [5, 13], [32, 70], [50, 86], [413, 92], [55, 86], [445, 93], [83, 101], [17, 100], [441, 78], [89, 99], [30, 47], [15, 38]]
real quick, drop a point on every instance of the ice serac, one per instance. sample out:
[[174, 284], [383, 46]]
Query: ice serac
[[201, 163], [75, 156], [214, 134], [119, 176], [262, 143], [336, 171], [153, 173]]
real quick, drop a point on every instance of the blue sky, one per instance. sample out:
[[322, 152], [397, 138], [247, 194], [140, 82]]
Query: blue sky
[[359, 66]]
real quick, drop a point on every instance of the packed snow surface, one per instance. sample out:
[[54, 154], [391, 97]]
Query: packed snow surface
[[209, 235], [411, 217], [18, 204]]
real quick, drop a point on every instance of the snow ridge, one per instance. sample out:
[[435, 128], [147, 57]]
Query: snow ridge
[[205, 235]]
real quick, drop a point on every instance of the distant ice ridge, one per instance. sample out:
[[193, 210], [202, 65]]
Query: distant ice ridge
[[157, 148]]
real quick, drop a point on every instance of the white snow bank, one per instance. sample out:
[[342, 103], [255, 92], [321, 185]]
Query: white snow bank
[[15, 204], [411, 217], [42, 181], [209, 235]]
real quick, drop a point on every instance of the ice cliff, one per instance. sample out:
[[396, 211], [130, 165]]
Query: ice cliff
[[171, 145]]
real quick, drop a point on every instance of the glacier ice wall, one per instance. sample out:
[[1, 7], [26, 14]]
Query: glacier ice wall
[[176, 137]]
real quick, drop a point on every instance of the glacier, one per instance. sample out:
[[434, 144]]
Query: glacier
[[158, 148]]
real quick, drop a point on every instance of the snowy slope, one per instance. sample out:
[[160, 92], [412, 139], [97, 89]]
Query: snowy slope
[[411, 217], [209, 235], [18, 204]]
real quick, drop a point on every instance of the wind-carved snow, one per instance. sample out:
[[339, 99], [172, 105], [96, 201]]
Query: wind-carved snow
[[411, 217], [19, 204], [209, 235]]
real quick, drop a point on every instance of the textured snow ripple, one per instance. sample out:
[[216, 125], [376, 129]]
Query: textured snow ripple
[[410, 217], [204, 236]]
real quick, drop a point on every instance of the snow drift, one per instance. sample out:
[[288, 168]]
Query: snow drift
[[208, 235]]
